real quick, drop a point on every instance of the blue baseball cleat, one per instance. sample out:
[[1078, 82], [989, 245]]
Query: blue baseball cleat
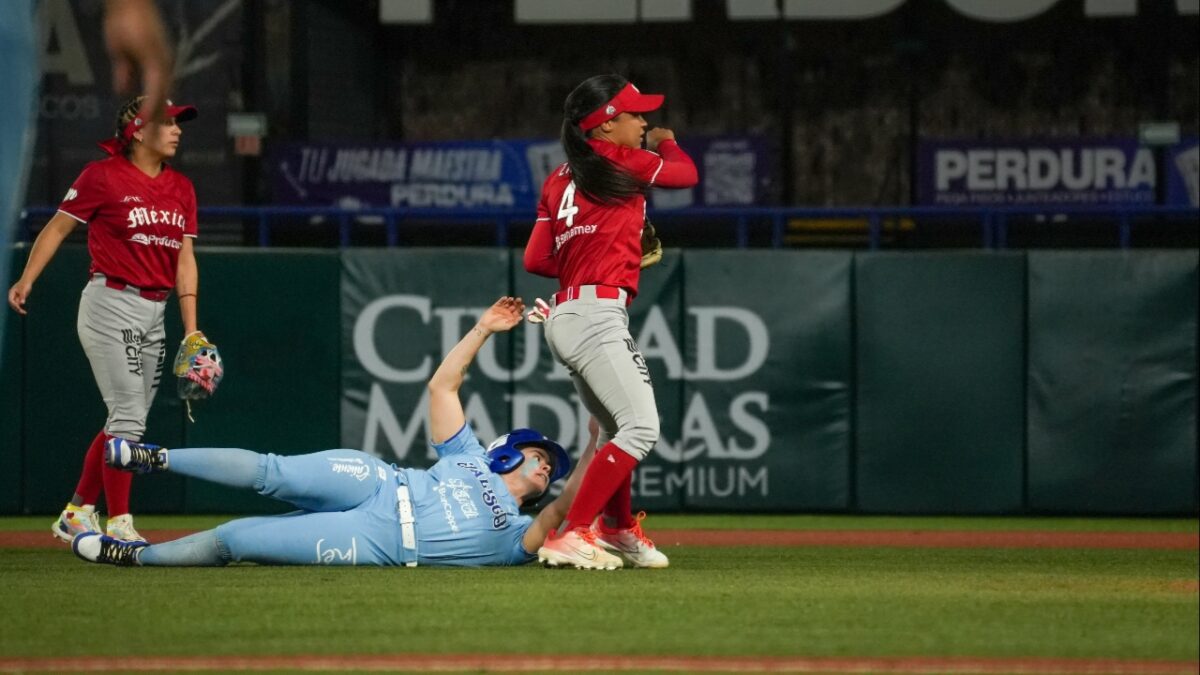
[[101, 548], [134, 457]]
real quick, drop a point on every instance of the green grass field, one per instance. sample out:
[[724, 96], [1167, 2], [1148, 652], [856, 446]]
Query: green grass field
[[765, 601]]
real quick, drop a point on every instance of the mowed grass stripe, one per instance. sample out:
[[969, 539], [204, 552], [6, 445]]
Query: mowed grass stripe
[[722, 602], [421, 663]]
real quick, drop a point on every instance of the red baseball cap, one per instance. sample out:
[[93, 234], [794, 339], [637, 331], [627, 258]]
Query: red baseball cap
[[181, 113], [629, 99]]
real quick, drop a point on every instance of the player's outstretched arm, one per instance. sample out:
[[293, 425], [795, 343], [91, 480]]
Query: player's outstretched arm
[[44, 248], [553, 514], [445, 409]]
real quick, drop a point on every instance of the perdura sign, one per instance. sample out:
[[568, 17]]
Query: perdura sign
[[732, 374]]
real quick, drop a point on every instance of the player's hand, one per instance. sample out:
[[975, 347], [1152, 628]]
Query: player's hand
[[658, 135], [137, 42], [539, 313], [17, 296], [594, 428], [502, 315]]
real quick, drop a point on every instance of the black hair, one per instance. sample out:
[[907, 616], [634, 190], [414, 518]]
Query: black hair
[[595, 176]]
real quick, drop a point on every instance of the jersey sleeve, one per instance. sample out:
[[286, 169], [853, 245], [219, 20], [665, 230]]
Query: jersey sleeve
[[677, 170], [539, 251], [517, 554], [86, 195], [463, 442]]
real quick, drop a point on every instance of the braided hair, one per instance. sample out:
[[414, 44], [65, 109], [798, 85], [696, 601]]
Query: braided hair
[[125, 115], [595, 176]]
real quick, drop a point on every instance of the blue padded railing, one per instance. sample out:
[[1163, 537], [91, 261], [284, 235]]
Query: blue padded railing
[[993, 222]]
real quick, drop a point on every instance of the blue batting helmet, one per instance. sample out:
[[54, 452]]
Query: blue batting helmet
[[504, 454]]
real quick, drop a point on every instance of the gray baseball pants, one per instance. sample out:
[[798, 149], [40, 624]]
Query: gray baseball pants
[[124, 339], [590, 336]]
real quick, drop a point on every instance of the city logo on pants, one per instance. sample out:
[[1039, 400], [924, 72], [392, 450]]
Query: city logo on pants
[[639, 360], [133, 350]]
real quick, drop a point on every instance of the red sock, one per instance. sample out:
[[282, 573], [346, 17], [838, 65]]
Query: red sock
[[618, 512], [90, 480], [609, 468], [116, 490]]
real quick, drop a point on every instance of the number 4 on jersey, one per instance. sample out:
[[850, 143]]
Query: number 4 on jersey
[[566, 207]]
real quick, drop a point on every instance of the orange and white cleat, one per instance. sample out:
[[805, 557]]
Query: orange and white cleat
[[632, 544], [576, 548]]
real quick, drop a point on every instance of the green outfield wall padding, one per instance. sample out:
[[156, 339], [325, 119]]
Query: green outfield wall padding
[[1112, 382], [767, 391], [274, 314], [11, 399], [940, 385]]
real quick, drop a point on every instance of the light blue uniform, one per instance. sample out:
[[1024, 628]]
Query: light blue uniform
[[351, 501]]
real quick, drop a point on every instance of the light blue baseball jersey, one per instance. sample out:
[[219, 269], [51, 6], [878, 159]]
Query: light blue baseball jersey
[[465, 514]]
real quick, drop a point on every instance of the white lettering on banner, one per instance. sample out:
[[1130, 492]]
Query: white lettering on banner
[[440, 164], [451, 195], [364, 165], [741, 436], [983, 10], [701, 481], [364, 338], [1005, 169]]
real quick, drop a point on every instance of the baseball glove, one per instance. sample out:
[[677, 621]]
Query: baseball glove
[[198, 367], [651, 247]]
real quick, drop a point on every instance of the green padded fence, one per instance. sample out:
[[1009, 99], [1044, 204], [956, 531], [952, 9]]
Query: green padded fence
[[950, 382], [940, 386], [1112, 382]]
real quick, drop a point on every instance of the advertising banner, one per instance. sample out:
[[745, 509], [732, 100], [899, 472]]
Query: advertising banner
[[1183, 173], [1115, 172], [507, 174], [753, 397]]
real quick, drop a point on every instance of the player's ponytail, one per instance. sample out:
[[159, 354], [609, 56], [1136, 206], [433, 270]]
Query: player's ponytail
[[594, 175]]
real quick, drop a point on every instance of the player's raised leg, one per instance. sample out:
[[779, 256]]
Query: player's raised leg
[[331, 480]]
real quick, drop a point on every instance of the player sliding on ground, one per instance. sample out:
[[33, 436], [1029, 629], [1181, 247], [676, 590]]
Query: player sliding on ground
[[359, 510]]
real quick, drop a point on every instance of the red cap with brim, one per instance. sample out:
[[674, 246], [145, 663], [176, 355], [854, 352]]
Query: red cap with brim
[[116, 144], [629, 100]]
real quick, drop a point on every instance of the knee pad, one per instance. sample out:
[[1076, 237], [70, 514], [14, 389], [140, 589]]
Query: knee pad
[[638, 439]]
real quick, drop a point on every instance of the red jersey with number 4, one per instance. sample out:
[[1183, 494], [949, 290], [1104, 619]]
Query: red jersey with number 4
[[583, 242], [136, 224]]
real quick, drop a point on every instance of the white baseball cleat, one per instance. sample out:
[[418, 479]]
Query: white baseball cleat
[[632, 544], [576, 548], [75, 520], [121, 527]]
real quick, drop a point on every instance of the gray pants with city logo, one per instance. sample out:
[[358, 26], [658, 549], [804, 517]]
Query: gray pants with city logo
[[124, 339], [591, 338]]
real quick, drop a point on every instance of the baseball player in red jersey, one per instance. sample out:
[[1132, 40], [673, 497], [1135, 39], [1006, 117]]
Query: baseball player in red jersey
[[588, 236], [141, 217]]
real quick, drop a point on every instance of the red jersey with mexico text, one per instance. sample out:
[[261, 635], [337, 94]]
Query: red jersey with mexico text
[[136, 224], [583, 242]]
